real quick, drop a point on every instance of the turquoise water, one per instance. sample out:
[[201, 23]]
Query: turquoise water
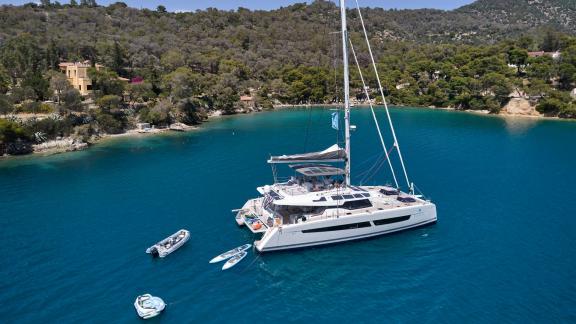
[[75, 227]]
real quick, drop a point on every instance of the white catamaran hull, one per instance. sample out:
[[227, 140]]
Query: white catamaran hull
[[346, 228]]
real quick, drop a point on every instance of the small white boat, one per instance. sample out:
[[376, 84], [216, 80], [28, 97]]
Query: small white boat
[[234, 260], [148, 306], [169, 244], [231, 253]]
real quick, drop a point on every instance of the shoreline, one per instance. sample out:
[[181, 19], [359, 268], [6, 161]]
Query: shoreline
[[475, 112], [70, 144]]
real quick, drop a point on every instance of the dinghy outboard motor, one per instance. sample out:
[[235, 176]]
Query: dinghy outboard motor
[[154, 252]]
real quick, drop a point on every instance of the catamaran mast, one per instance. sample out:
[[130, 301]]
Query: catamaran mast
[[346, 88]]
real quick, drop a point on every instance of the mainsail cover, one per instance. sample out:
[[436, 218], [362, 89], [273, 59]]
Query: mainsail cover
[[332, 154]]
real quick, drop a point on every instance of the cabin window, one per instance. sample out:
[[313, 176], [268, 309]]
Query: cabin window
[[337, 198], [348, 197], [338, 228], [391, 220], [358, 196], [357, 204]]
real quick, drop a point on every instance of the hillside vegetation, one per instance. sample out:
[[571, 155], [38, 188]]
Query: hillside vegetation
[[191, 63]]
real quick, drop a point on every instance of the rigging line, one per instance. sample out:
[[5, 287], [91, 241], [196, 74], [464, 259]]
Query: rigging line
[[375, 157], [373, 113], [373, 172], [380, 164], [365, 173], [307, 128], [382, 94], [379, 160], [369, 173]]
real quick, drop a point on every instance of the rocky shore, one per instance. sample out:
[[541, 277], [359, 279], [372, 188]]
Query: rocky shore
[[59, 146]]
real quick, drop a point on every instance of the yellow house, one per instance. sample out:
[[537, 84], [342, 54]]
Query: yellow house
[[77, 74]]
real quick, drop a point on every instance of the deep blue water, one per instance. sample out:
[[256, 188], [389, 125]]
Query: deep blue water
[[74, 227]]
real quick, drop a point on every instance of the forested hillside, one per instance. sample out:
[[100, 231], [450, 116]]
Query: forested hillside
[[469, 58]]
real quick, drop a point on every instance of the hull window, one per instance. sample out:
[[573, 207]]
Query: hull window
[[338, 228], [391, 220]]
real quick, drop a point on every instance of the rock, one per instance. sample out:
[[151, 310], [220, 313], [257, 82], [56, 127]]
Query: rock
[[520, 106], [61, 145]]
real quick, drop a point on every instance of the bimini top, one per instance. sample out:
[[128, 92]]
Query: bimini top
[[320, 171], [332, 154]]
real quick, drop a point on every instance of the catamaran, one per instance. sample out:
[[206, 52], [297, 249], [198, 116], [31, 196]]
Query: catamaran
[[318, 205]]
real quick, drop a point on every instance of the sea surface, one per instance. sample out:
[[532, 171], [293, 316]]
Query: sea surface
[[74, 227]]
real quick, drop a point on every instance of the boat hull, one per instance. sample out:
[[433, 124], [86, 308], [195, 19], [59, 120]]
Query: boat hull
[[146, 313], [330, 231], [158, 250]]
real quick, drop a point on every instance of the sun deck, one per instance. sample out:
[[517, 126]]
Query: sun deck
[[277, 207]]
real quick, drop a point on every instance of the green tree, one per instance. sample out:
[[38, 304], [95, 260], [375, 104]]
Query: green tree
[[109, 102], [110, 123], [226, 99], [498, 85], [71, 100], [541, 68], [518, 57], [191, 111], [105, 82], [538, 88], [161, 9], [4, 80], [58, 83], [567, 75], [181, 84], [159, 114], [551, 41], [36, 82], [21, 94], [550, 106], [140, 92], [21, 56], [172, 60], [88, 3], [11, 132], [568, 111], [6, 105]]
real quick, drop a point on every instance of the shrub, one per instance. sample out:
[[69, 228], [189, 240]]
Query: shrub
[[109, 123], [34, 107], [11, 131]]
